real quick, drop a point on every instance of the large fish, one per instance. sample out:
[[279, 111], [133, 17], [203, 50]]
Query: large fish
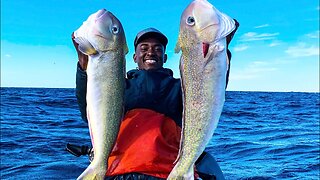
[[203, 68], [102, 38]]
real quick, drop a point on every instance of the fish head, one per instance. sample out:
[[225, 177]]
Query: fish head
[[198, 17], [201, 23], [101, 32]]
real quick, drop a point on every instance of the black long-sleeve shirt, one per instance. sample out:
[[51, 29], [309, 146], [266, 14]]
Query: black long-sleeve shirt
[[156, 90]]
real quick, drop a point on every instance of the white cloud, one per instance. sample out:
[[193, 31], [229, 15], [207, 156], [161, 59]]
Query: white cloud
[[303, 50], [258, 63], [253, 36], [262, 26], [254, 70], [274, 43], [8, 55], [240, 48], [313, 35]]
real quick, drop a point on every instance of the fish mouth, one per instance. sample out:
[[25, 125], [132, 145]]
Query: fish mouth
[[206, 45]]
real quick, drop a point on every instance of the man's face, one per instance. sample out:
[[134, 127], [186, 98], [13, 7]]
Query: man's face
[[150, 54]]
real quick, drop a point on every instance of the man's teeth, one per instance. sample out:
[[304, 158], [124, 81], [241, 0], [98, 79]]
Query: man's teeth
[[151, 61]]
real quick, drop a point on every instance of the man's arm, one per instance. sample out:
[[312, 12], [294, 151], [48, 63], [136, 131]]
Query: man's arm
[[81, 81], [81, 91]]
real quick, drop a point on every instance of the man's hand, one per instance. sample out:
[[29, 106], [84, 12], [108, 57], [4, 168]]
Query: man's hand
[[83, 59]]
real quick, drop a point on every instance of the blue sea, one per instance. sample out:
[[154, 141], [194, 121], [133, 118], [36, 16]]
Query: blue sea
[[261, 135]]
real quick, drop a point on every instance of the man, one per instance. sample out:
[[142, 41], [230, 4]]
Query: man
[[149, 136]]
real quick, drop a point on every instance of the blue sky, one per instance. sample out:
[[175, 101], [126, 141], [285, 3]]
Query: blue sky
[[275, 49]]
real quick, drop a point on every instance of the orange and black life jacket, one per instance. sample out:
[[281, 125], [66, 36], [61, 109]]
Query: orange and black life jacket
[[147, 143], [156, 90], [148, 140]]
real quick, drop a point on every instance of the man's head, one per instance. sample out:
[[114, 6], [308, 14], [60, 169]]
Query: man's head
[[150, 45]]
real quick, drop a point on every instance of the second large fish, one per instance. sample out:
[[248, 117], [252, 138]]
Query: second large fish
[[203, 68], [102, 37]]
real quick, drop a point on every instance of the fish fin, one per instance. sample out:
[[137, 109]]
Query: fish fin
[[177, 49], [126, 49], [183, 111], [179, 153], [180, 147], [219, 47], [85, 46]]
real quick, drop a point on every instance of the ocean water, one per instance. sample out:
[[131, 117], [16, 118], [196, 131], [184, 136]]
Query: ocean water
[[261, 135]]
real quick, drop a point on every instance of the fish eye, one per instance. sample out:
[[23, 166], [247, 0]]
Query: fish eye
[[190, 21], [115, 29]]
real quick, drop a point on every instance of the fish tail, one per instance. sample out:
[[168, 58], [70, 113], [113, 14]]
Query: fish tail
[[180, 174], [93, 173]]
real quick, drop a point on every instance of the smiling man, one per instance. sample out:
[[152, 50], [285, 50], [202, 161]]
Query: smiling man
[[148, 141], [150, 47]]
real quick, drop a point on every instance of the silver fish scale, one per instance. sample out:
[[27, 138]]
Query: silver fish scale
[[105, 86], [203, 101]]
